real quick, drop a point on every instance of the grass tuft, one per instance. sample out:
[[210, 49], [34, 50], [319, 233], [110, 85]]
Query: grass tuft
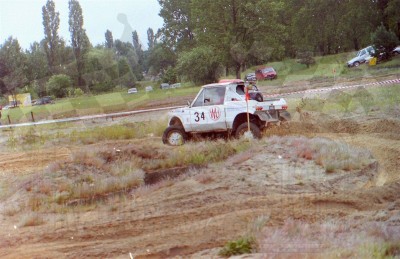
[[31, 219]]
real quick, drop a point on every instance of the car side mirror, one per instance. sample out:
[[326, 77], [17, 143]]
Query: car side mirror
[[189, 104]]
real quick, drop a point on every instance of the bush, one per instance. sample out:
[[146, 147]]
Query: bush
[[78, 92], [58, 85], [170, 76], [305, 58]]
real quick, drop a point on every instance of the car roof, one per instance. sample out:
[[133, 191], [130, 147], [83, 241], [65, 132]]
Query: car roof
[[231, 81]]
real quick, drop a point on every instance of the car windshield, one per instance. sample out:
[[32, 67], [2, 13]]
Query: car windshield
[[210, 96], [268, 69]]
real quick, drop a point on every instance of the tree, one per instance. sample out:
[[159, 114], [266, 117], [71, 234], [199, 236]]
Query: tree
[[385, 41], [109, 39], [305, 57], [12, 67], [150, 38], [392, 12], [138, 70], [160, 58], [136, 42], [177, 32], [227, 31], [51, 43], [79, 40], [37, 62], [358, 20], [199, 65]]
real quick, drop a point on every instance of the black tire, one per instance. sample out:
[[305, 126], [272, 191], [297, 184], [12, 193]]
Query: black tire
[[174, 136], [243, 129], [259, 97], [356, 64]]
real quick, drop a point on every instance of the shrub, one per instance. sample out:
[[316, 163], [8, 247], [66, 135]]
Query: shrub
[[78, 92], [58, 85], [305, 58]]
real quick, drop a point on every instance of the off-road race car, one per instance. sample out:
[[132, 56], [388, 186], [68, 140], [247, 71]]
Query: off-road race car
[[222, 108]]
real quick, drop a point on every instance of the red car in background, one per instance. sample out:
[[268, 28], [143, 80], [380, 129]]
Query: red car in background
[[264, 73]]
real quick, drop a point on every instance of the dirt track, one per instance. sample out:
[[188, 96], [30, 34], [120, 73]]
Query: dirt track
[[197, 214]]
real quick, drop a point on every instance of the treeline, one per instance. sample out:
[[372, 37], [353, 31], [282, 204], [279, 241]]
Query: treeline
[[218, 36], [51, 67], [200, 41]]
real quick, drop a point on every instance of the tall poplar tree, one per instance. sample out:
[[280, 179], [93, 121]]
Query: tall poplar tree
[[150, 38], [79, 40], [51, 42], [109, 39]]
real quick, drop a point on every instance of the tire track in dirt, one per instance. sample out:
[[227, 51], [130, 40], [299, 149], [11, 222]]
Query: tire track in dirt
[[24, 161]]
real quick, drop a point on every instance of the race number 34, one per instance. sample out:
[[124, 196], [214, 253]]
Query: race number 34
[[199, 116]]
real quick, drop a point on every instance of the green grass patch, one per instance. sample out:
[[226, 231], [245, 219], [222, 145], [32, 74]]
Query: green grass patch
[[326, 69], [93, 104]]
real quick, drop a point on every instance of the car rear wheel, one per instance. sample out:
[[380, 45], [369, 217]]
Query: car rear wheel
[[356, 64], [243, 128], [174, 136]]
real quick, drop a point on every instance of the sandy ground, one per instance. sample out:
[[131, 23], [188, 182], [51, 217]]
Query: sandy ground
[[195, 215]]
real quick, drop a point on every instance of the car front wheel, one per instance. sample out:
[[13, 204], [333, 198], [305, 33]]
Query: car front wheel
[[243, 128], [174, 136]]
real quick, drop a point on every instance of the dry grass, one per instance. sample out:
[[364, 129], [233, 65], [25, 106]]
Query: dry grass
[[204, 178], [11, 210], [332, 155], [91, 174], [31, 219], [330, 239]]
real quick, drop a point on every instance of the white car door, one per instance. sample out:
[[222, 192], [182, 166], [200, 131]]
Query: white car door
[[207, 112]]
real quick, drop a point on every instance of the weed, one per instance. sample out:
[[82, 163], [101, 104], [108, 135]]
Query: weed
[[35, 202], [243, 245]]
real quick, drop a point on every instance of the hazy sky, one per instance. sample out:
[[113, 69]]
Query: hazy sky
[[22, 19]]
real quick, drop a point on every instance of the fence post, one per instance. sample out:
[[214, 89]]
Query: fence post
[[9, 120], [33, 118]]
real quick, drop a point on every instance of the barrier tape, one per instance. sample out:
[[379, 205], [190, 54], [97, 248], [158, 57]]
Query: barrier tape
[[121, 114], [327, 89]]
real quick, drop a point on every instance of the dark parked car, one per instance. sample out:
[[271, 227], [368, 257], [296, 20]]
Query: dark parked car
[[264, 73], [44, 100], [250, 77]]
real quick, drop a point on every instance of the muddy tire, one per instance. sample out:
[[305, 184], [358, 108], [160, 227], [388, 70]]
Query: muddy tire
[[242, 129], [174, 136]]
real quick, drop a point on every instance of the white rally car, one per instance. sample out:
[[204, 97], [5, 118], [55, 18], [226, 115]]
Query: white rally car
[[222, 108]]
